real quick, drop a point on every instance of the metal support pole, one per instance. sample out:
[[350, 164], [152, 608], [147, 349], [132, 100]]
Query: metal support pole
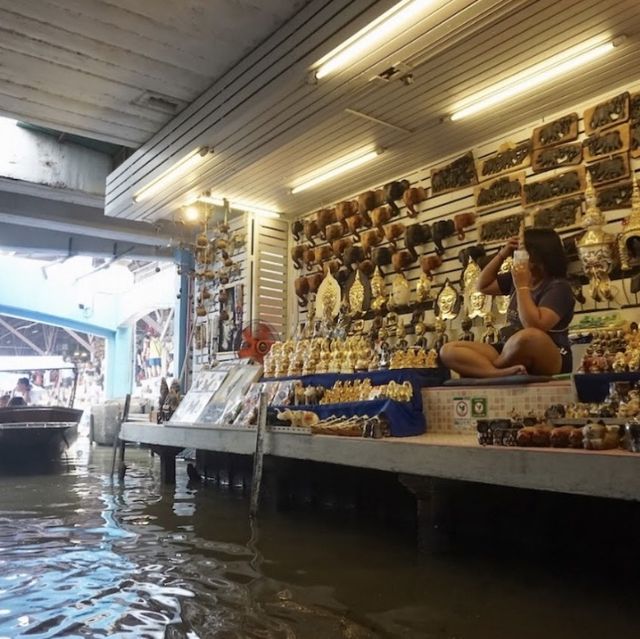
[[256, 480]]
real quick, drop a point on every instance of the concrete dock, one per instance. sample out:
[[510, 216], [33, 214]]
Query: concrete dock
[[613, 474]]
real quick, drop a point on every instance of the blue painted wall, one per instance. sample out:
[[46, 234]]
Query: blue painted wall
[[25, 292]]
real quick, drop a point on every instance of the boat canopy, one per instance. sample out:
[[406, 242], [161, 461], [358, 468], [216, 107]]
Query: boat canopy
[[18, 363]]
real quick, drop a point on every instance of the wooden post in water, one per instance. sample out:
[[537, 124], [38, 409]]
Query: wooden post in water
[[256, 479], [120, 443]]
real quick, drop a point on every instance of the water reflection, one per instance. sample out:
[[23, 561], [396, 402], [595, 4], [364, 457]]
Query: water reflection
[[82, 556]]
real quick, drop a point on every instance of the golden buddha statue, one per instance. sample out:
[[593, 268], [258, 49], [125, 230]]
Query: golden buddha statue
[[378, 293], [324, 358], [400, 290], [423, 288], [336, 358]]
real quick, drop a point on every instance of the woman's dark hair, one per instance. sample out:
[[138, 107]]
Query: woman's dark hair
[[546, 250]]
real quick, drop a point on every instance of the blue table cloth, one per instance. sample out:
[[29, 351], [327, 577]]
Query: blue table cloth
[[418, 377], [594, 387], [404, 420]]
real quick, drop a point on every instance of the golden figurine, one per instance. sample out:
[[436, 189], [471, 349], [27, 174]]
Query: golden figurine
[[432, 359], [364, 356], [629, 238], [400, 290], [596, 248], [328, 297], [477, 304], [356, 295], [269, 361], [447, 302], [502, 301], [379, 301], [423, 288], [336, 359]]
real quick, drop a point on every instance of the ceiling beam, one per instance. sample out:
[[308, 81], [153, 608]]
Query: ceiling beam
[[151, 323], [80, 340], [20, 336]]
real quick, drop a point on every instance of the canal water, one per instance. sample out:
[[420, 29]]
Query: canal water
[[81, 556]]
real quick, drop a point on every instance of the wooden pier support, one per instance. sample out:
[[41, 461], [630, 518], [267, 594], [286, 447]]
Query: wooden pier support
[[432, 512], [167, 456]]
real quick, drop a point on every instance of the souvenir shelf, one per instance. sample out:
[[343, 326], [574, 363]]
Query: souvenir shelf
[[403, 412]]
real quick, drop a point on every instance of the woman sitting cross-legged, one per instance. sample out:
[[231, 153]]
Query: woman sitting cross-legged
[[540, 311]]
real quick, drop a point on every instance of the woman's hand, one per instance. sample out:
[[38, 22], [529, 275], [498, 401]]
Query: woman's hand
[[521, 275], [508, 249]]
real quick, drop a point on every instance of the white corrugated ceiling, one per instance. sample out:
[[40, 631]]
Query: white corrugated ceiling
[[269, 126], [117, 70]]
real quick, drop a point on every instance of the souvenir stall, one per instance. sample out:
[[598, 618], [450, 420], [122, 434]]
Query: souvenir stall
[[386, 277]]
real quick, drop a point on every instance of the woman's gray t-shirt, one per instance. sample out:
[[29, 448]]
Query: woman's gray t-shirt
[[553, 293]]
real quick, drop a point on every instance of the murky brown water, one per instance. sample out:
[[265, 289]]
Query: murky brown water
[[82, 557]]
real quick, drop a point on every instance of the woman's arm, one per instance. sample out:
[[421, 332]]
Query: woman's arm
[[487, 283], [531, 316]]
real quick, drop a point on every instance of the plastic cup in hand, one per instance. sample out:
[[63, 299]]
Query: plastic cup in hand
[[520, 256]]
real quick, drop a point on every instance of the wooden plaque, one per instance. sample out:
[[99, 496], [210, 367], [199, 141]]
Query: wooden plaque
[[634, 107], [500, 229], [561, 215], [614, 197], [556, 157], [610, 169], [559, 186], [507, 188], [456, 175], [607, 142], [564, 129], [508, 158], [611, 112]]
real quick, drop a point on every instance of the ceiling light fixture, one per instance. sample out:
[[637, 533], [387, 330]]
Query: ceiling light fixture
[[239, 206], [192, 213], [535, 76], [380, 30], [342, 166], [175, 171]]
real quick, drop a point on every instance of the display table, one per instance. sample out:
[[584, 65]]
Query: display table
[[405, 418], [593, 387]]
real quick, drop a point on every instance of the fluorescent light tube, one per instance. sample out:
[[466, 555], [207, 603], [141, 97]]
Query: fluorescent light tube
[[177, 170], [389, 24], [532, 77], [342, 167], [239, 206]]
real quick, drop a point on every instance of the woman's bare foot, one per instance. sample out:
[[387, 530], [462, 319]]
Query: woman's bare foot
[[518, 369]]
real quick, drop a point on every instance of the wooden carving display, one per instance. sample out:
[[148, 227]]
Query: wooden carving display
[[563, 129], [556, 157], [455, 175], [562, 215], [499, 191], [607, 142], [634, 135], [609, 113], [559, 186], [501, 229], [610, 169], [509, 158], [614, 197]]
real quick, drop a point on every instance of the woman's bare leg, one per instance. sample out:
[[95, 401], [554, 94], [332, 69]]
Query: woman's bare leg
[[474, 359], [533, 349]]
